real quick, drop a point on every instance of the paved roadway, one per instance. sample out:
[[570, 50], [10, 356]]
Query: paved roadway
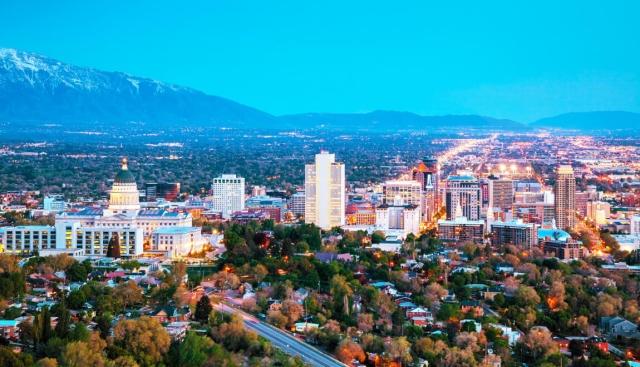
[[283, 340]]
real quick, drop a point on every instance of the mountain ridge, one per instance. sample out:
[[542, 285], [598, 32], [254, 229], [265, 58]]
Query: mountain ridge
[[591, 120], [36, 89]]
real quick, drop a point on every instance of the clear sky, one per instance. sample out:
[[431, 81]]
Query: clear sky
[[513, 59]]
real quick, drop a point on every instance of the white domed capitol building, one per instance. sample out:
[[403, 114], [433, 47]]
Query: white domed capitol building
[[87, 232]]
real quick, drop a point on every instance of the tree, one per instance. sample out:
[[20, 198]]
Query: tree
[[144, 338], [77, 272], [347, 351], [377, 237], [399, 349], [104, 324], [555, 298], [428, 348], [434, 292], [64, 322], [113, 248], [293, 310], [60, 262], [341, 292], [42, 326], [47, 362], [10, 359], [128, 293], [365, 322], [203, 309], [179, 271], [276, 318], [260, 272], [194, 350], [456, 357], [81, 354], [76, 299], [79, 333], [537, 343], [124, 361], [226, 280], [233, 335], [527, 296], [608, 305], [9, 263]]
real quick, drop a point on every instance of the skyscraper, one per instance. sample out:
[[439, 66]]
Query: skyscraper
[[565, 197], [324, 183], [228, 194], [427, 174], [462, 197], [501, 193], [407, 191]]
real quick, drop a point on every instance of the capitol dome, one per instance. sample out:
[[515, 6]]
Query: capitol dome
[[124, 175], [124, 194]]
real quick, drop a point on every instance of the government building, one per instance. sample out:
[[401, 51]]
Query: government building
[[87, 232]]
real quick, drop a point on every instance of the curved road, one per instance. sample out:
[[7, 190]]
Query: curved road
[[283, 340]]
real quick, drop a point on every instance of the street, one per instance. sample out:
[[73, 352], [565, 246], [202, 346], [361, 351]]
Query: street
[[283, 340]]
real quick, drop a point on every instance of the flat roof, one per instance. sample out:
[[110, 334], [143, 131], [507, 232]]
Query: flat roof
[[29, 228], [175, 230]]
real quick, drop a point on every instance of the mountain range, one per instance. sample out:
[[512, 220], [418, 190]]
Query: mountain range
[[36, 90]]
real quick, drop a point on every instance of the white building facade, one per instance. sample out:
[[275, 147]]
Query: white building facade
[[228, 194], [325, 197], [91, 229]]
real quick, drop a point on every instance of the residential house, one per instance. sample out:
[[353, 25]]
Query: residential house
[[618, 327], [9, 329], [171, 314]]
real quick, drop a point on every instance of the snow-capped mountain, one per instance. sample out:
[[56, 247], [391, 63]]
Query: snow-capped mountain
[[37, 89]]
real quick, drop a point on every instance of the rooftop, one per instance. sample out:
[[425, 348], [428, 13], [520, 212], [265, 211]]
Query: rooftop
[[461, 178], [176, 230], [556, 234]]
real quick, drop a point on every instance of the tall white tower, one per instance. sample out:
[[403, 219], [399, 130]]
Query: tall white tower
[[324, 184], [228, 194], [565, 197]]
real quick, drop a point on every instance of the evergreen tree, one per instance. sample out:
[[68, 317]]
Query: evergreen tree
[[64, 322], [113, 249], [203, 309]]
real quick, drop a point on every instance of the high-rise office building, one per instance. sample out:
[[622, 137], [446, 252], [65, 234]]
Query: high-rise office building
[[514, 233], [324, 183], [296, 203], [501, 194], [228, 194], [407, 191], [428, 175], [565, 197], [163, 190], [462, 197]]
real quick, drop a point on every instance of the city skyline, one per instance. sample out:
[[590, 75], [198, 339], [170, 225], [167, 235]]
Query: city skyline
[[330, 184]]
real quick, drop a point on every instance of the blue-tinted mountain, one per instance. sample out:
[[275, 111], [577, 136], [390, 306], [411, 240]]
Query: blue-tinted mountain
[[591, 121], [35, 89], [393, 120]]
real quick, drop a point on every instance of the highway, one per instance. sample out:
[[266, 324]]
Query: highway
[[283, 340]]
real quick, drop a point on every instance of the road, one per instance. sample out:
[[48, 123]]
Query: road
[[283, 340]]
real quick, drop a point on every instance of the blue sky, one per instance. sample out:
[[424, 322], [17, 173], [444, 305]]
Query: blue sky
[[512, 59]]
